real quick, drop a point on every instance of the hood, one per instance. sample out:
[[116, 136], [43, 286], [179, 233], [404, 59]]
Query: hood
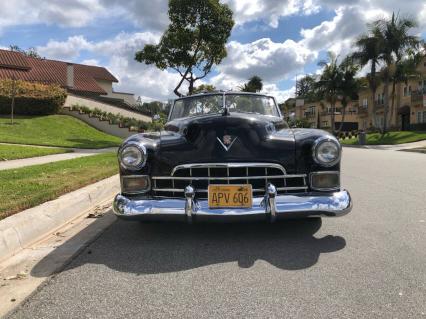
[[218, 139]]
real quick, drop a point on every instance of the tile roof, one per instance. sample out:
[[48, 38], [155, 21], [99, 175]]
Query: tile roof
[[15, 64]]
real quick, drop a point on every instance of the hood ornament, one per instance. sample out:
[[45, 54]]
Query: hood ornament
[[227, 141]]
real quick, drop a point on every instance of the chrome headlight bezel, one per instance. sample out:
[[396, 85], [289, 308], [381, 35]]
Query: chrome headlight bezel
[[321, 142], [142, 156]]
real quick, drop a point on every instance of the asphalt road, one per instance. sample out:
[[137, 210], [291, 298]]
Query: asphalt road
[[368, 264]]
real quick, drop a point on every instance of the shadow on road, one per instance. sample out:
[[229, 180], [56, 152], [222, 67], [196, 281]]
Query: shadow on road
[[160, 248]]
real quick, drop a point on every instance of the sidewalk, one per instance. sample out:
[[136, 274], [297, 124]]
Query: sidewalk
[[53, 158], [396, 147]]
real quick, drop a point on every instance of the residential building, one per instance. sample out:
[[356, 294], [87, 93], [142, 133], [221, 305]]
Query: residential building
[[78, 79], [408, 113], [319, 113]]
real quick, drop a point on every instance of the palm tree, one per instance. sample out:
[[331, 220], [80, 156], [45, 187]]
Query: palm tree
[[328, 85], [349, 85], [370, 51], [397, 43], [254, 84]]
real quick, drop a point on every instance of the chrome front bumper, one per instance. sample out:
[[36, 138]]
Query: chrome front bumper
[[270, 207]]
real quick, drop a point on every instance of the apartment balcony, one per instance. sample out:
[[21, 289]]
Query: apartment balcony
[[380, 105], [325, 113], [418, 98], [309, 115], [362, 110]]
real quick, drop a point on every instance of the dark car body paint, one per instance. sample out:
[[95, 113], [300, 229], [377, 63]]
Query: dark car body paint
[[259, 139]]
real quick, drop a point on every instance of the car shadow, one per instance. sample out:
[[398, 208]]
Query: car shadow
[[162, 248]]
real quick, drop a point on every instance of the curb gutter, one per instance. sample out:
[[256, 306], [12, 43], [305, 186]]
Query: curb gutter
[[29, 226]]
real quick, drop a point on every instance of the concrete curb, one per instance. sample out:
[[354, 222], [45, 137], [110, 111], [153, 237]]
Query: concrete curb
[[27, 227]]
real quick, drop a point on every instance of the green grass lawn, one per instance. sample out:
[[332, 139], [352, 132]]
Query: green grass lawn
[[27, 187], [11, 152], [54, 130], [390, 138]]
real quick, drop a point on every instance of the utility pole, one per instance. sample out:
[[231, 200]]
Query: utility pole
[[13, 98]]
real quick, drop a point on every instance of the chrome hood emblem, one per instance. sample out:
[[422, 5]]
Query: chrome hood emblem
[[227, 141]]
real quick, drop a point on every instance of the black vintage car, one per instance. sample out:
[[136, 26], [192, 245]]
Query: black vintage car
[[230, 156]]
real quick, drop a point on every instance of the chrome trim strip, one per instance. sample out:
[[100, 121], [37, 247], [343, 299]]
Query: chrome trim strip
[[330, 205], [226, 178], [322, 173], [226, 165], [135, 176], [180, 190]]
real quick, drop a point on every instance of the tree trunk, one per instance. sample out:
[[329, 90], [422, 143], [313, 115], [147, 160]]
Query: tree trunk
[[374, 91], [191, 86], [343, 118], [12, 107], [386, 106], [393, 102], [333, 111], [176, 90]]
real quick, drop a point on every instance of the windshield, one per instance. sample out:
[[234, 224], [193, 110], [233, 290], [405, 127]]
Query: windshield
[[213, 104]]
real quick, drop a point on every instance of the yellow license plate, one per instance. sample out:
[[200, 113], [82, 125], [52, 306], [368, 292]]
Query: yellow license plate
[[230, 196]]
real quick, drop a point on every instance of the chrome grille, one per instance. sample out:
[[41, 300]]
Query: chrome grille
[[201, 175]]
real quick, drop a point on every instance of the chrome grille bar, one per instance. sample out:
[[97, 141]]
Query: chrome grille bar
[[226, 178], [228, 173]]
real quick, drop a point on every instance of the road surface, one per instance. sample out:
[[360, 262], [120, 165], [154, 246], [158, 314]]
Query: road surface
[[368, 264]]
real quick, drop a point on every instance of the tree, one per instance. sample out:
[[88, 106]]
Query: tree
[[397, 43], [204, 88], [254, 85], [193, 42], [30, 52], [329, 84], [306, 89], [349, 85], [370, 52]]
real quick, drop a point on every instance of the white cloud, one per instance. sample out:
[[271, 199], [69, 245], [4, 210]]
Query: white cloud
[[280, 95], [151, 14], [273, 61], [70, 13], [265, 58], [119, 51], [269, 11], [69, 49], [91, 62]]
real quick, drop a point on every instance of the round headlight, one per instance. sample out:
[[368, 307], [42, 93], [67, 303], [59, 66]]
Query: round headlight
[[133, 156], [326, 151]]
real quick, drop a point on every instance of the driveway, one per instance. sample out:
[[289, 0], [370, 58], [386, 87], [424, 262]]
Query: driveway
[[368, 264]]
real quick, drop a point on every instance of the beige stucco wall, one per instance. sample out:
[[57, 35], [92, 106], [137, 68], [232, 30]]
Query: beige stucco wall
[[107, 87], [92, 104]]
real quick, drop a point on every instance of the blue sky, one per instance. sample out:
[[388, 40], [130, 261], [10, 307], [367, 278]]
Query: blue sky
[[276, 39]]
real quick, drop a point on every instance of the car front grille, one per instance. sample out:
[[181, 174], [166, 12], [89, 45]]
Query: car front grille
[[200, 176]]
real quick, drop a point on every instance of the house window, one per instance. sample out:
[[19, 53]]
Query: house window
[[419, 117], [324, 123], [407, 90], [364, 124], [381, 98], [381, 121], [365, 103]]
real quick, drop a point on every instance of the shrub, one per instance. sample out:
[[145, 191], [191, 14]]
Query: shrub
[[117, 119], [418, 127], [31, 98]]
